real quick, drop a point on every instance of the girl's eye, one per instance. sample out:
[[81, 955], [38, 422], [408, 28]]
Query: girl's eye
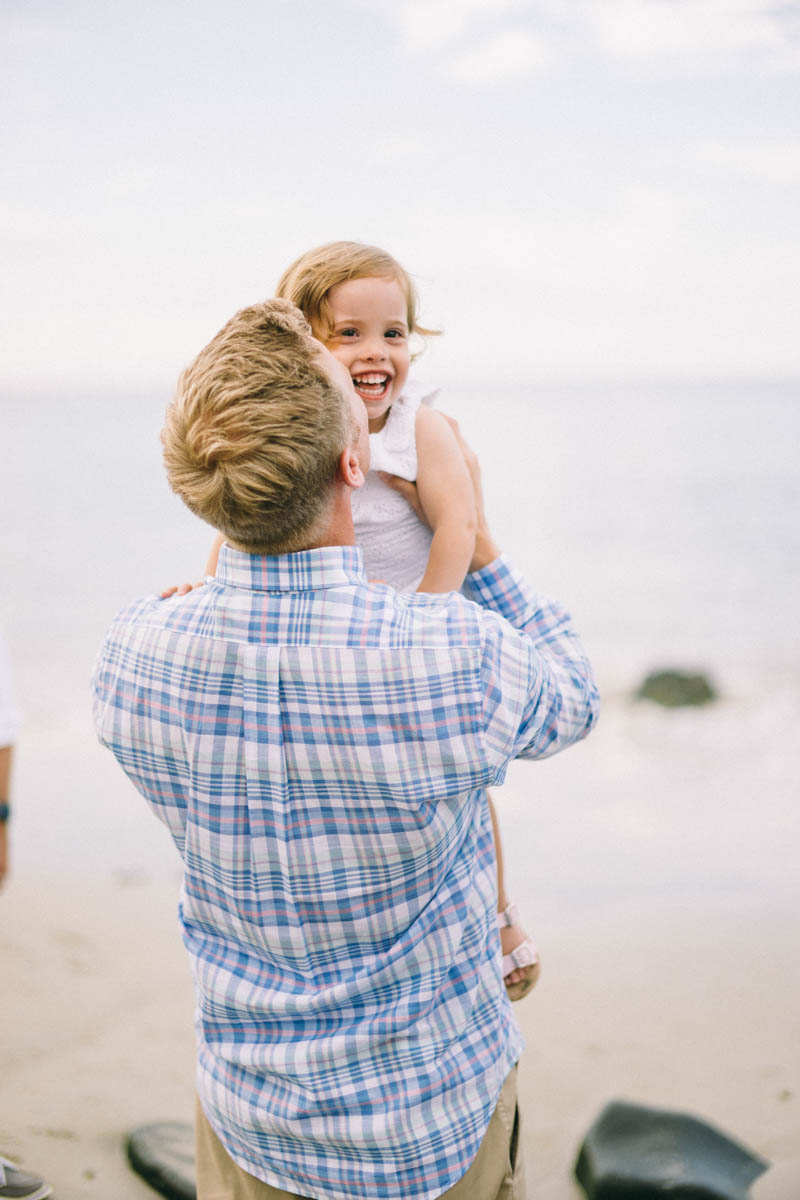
[[395, 333], [349, 332]]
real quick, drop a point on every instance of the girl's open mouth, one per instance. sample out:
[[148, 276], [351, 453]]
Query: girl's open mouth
[[374, 386]]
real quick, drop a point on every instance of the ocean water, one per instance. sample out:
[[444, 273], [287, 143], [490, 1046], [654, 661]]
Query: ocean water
[[666, 518]]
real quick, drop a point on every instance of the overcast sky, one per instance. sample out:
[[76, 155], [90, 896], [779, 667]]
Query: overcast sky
[[582, 187]]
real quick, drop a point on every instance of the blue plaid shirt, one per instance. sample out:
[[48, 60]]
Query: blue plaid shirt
[[319, 748]]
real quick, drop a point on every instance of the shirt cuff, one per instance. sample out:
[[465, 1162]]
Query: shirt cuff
[[501, 587]]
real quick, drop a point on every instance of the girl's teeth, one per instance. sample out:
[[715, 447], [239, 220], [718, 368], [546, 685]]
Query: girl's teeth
[[371, 385]]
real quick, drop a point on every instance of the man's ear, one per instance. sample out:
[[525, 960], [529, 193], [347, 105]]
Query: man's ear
[[350, 468]]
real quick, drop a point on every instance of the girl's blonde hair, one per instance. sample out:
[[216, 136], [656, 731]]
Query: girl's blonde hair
[[308, 281]]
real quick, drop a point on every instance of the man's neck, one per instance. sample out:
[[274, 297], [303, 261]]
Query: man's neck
[[334, 528], [336, 525]]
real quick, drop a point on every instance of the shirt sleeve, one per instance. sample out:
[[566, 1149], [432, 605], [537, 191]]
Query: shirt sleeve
[[538, 689]]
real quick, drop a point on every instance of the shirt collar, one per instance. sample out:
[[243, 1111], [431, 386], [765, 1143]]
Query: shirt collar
[[306, 571]]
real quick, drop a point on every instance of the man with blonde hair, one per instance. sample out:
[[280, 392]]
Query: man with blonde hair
[[319, 748], [253, 438]]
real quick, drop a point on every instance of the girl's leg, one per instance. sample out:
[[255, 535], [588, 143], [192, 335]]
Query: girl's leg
[[519, 980]]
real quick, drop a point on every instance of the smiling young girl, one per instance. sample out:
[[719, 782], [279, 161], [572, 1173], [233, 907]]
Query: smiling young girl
[[362, 305]]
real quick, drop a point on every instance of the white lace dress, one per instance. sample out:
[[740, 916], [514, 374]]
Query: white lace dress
[[394, 541]]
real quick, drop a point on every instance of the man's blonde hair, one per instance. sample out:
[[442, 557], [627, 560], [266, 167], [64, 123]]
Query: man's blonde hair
[[254, 434], [310, 278]]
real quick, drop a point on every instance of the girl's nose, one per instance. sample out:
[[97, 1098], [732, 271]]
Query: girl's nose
[[375, 350]]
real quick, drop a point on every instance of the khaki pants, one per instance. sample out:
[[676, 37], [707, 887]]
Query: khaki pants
[[496, 1172]]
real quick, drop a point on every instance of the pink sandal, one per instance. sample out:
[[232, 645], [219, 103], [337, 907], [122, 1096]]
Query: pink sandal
[[522, 956]]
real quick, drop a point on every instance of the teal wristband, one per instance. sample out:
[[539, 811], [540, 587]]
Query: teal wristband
[[5, 812]]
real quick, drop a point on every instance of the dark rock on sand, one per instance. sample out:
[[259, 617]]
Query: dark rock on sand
[[633, 1153], [163, 1154], [675, 689]]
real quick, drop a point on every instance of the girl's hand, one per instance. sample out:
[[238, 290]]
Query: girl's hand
[[183, 590], [211, 569]]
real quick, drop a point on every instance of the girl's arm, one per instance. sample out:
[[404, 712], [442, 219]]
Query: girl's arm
[[447, 496], [211, 565]]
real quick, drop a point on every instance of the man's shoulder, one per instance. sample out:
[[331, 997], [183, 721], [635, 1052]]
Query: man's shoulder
[[153, 615], [141, 607], [144, 610]]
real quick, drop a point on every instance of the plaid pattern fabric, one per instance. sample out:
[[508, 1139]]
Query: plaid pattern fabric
[[319, 748]]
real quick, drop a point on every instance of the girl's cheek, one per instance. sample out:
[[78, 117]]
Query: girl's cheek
[[338, 351]]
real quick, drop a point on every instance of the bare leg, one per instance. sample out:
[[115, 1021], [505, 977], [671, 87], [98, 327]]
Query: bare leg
[[511, 936]]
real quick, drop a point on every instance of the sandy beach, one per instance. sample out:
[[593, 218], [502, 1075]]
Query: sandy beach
[[665, 915], [97, 1033]]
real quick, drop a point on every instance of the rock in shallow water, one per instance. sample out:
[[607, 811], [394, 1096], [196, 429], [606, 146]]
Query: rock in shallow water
[[676, 689], [634, 1153]]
